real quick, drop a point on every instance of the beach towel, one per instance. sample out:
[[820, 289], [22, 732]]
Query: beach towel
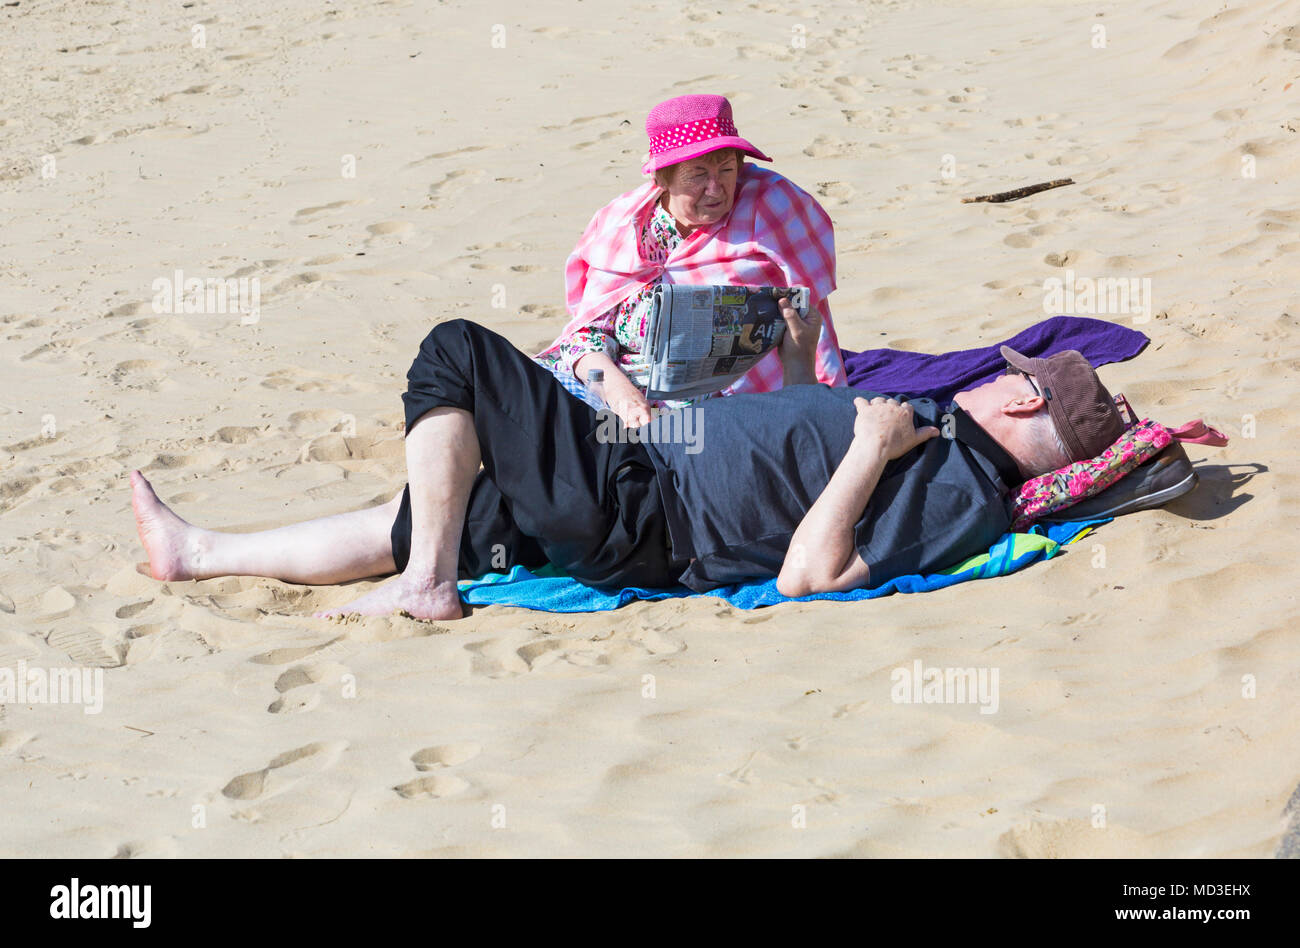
[[546, 590], [940, 377], [775, 235]]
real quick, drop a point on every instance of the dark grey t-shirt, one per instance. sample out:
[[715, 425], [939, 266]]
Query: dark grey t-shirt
[[762, 460]]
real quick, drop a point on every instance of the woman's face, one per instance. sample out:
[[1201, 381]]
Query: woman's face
[[701, 191]]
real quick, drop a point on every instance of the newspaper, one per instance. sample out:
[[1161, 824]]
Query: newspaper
[[703, 338]]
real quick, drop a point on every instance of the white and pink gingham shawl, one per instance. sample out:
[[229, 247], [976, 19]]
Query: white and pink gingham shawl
[[775, 235]]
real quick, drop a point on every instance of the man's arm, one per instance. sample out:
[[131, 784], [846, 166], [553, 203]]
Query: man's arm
[[823, 555]]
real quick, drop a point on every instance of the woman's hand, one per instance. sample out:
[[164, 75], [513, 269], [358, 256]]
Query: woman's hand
[[621, 395], [799, 344], [886, 426], [625, 400]]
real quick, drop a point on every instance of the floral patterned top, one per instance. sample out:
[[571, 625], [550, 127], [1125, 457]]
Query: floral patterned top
[[620, 333]]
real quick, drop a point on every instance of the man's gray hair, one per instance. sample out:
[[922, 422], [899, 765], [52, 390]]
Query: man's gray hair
[[1042, 449]]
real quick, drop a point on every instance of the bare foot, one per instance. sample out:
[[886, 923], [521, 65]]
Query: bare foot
[[166, 537], [420, 598]]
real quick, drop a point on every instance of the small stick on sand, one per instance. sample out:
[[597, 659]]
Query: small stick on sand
[[1018, 193]]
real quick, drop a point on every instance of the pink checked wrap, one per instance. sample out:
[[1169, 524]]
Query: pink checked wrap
[[775, 235]]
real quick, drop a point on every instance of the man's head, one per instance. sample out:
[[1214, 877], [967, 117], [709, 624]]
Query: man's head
[[1046, 413]]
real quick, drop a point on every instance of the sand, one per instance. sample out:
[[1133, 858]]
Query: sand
[[233, 723]]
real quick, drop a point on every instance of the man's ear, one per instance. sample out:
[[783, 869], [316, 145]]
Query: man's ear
[[1022, 406]]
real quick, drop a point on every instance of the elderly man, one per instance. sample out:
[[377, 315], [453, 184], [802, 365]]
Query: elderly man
[[824, 488]]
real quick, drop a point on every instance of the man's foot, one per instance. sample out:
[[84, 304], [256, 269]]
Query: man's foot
[[168, 540], [420, 599]]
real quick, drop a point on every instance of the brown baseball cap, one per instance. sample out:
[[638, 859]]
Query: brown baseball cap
[[1083, 412]]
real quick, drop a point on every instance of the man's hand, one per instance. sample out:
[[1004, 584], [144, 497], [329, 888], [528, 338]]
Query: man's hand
[[799, 344], [887, 426]]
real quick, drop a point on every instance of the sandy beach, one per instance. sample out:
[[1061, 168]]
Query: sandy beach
[[379, 168]]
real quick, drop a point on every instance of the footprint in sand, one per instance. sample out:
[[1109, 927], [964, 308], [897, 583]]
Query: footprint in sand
[[541, 310], [307, 212], [445, 755], [11, 742], [284, 771], [206, 459], [387, 228], [447, 188], [14, 488], [442, 155], [434, 758], [839, 191], [828, 146], [56, 350], [437, 786], [283, 656], [301, 686], [97, 645], [161, 847]]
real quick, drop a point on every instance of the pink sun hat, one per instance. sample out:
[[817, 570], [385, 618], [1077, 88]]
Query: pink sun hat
[[689, 126]]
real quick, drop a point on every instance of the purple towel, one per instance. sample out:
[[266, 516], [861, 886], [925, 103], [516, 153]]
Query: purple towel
[[921, 375]]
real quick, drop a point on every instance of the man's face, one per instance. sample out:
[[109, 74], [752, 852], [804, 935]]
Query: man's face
[[985, 404]]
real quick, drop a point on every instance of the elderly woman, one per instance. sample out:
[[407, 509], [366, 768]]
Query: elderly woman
[[706, 218]]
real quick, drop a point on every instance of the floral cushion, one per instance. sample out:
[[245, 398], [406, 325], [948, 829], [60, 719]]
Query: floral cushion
[[1062, 488]]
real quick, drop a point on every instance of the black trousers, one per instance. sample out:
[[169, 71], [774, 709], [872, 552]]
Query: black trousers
[[549, 489]]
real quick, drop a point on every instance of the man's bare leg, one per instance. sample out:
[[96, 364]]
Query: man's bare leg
[[442, 460], [442, 455], [327, 550]]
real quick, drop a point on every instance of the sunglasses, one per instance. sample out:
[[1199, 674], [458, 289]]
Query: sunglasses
[[1012, 370]]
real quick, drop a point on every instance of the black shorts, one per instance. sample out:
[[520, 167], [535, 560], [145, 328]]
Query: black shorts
[[550, 490]]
